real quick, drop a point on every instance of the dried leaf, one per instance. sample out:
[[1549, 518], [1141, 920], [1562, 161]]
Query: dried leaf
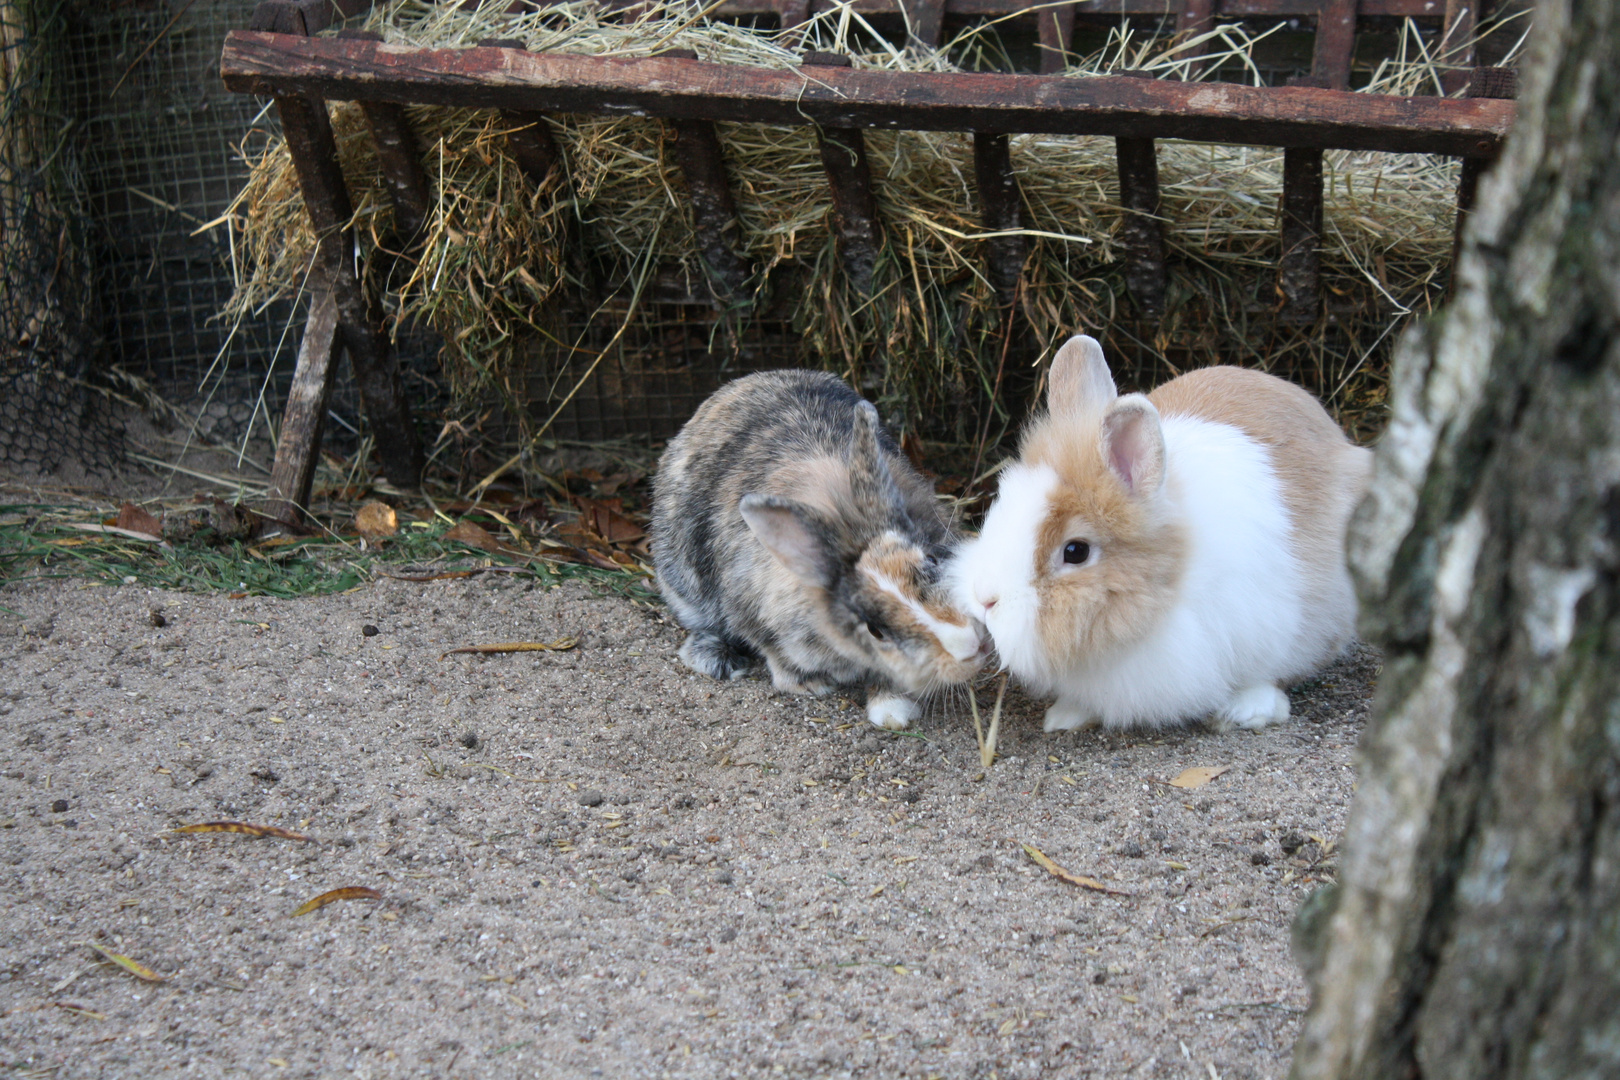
[[1198, 776], [466, 532], [348, 892], [1063, 875], [135, 968], [133, 519], [243, 828], [79, 1010], [603, 518], [376, 520], [560, 645]]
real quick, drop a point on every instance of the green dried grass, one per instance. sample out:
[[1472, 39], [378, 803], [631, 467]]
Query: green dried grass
[[492, 276]]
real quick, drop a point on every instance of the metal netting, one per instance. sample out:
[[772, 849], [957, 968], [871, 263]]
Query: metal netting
[[47, 329]]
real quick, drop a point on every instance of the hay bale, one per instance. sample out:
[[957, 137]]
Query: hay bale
[[491, 273]]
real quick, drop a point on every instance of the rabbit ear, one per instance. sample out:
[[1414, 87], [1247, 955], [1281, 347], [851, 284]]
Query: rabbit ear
[[870, 480], [788, 532], [1079, 381], [1133, 444]]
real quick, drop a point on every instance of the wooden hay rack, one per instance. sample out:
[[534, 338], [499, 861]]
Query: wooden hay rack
[[282, 57]]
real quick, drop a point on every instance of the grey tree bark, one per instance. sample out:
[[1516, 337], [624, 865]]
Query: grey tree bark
[[1475, 932]]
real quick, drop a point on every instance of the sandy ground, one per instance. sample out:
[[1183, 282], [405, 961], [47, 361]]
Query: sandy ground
[[598, 863]]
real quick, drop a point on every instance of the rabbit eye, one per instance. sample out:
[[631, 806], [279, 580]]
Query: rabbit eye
[[875, 630], [1076, 551]]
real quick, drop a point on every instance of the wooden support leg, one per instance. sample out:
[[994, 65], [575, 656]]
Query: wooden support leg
[[1057, 31], [308, 132], [714, 215], [1299, 269], [1141, 231], [849, 178], [299, 444]]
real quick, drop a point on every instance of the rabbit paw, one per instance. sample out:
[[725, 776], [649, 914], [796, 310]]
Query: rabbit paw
[[1252, 707], [791, 681], [891, 711], [715, 657], [1067, 716]]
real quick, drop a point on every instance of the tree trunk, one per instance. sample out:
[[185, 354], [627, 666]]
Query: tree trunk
[[1476, 930]]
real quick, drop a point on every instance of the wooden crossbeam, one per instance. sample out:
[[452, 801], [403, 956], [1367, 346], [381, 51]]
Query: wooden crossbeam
[[277, 64]]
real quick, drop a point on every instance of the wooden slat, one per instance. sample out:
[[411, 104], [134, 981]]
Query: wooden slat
[[1299, 268], [299, 443], [714, 216], [1001, 210], [1335, 43], [1141, 232], [1457, 39], [849, 179], [399, 158], [1057, 31], [925, 19], [308, 132], [1196, 17], [662, 86]]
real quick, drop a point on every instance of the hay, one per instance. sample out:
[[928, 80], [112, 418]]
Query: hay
[[492, 273]]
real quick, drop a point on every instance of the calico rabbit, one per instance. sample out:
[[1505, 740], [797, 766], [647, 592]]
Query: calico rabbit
[[787, 525], [1175, 556]]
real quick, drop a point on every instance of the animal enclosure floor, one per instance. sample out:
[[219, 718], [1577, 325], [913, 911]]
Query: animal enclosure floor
[[598, 863]]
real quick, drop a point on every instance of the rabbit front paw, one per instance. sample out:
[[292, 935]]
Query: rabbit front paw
[[891, 711], [1252, 707], [1067, 716]]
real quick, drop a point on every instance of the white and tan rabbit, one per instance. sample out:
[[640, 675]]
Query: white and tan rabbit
[[1176, 556], [786, 525]]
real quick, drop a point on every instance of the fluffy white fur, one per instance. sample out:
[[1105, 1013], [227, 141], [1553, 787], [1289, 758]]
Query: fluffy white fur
[[1233, 630]]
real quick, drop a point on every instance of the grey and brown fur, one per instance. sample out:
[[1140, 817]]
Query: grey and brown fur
[[787, 526]]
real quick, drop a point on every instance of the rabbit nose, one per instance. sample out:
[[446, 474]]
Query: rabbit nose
[[988, 604]]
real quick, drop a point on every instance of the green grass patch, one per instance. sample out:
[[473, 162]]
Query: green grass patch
[[39, 542]]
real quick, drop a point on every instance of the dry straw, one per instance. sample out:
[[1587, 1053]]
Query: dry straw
[[493, 271]]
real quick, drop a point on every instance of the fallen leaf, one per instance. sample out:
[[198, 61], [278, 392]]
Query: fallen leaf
[[79, 1010], [1063, 875], [1198, 776], [473, 535], [242, 826], [135, 968], [604, 519], [133, 519], [560, 645], [348, 892], [376, 521]]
